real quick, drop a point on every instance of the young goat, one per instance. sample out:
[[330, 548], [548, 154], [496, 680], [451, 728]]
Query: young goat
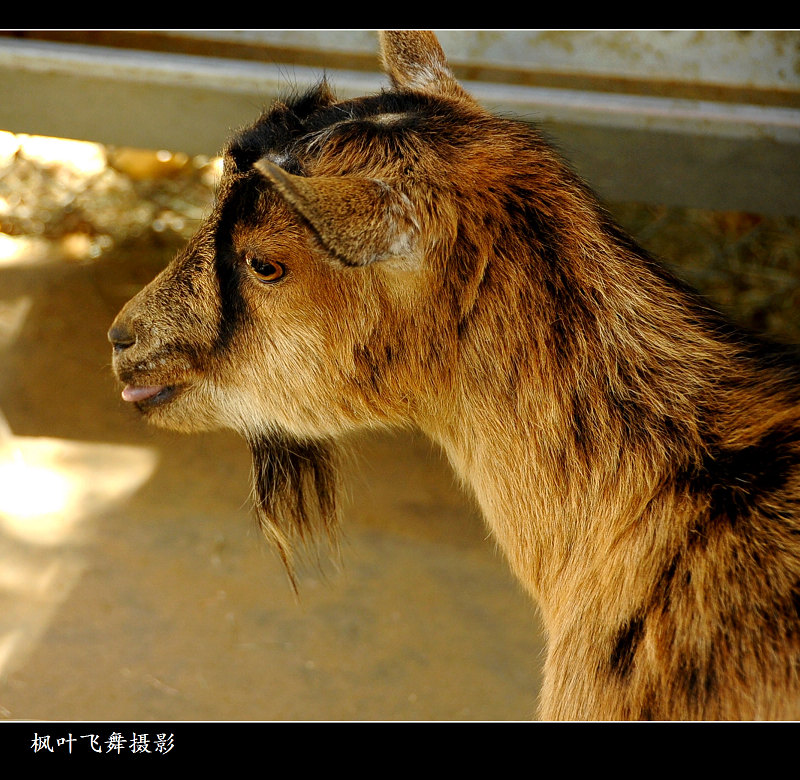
[[409, 259]]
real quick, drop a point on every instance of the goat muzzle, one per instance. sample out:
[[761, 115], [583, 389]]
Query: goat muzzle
[[121, 336]]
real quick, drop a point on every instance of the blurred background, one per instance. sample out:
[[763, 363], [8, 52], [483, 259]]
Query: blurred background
[[133, 582]]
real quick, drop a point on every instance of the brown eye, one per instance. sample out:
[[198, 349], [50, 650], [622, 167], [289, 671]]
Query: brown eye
[[265, 270]]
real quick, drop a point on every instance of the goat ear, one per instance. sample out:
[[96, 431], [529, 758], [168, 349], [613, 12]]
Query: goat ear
[[415, 62], [356, 219]]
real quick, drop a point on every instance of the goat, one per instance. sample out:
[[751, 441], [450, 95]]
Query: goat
[[409, 259]]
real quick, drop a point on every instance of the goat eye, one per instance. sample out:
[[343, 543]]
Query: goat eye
[[265, 270]]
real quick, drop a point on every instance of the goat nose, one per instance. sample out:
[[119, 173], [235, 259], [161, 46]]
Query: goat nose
[[121, 336]]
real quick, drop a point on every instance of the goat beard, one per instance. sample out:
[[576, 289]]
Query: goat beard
[[295, 492]]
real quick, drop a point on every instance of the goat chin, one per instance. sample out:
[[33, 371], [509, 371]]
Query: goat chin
[[179, 410]]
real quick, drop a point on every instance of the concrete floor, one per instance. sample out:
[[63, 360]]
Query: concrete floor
[[134, 585]]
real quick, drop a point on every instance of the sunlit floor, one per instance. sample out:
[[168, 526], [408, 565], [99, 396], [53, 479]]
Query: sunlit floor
[[47, 488], [134, 585]]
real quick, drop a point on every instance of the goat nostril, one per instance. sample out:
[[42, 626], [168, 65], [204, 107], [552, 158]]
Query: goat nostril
[[121, 337]]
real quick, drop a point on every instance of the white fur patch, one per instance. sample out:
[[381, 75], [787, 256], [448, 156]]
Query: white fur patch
[[388, 119]]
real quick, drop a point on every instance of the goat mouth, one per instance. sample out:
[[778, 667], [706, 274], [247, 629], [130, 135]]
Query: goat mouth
[[148, 396]]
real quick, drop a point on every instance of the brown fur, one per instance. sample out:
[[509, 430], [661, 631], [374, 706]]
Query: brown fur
[[636, 457]]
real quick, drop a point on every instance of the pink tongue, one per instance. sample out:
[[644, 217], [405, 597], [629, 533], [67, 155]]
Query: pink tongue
[[134, 394]]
